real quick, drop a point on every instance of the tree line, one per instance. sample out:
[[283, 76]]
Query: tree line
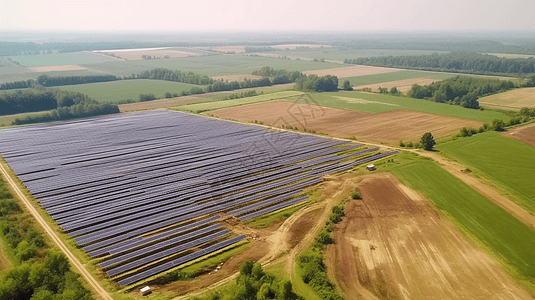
[[460, 90], [290, 76], [81, 110], [459, 62], [318, 84]]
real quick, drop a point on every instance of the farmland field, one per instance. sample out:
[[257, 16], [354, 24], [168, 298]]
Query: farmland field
[[394, 76], [402, 86], [201, 107], [509, 239], [506, 162], [393, 240], [524, 134], [55, 59], [128, 89], [510, 100], [137, 54], [388, 127], [210, 65], [352, 71]]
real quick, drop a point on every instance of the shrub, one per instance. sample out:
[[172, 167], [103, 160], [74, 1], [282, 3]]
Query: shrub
[[401, 144], [356, 196]]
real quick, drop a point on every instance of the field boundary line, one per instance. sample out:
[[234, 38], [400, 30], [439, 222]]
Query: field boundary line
[[74, 261]]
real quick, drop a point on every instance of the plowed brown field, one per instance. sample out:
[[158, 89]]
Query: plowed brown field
[[396, 245], [352, 71], [523, 134], [389, 127]]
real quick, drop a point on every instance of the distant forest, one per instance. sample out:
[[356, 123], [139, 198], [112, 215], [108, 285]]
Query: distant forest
[[460, 62]]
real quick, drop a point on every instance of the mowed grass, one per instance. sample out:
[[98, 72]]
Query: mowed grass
[[377, 103], [506, 162], [510, 240], [511, 100], [400, 75], [202, 107], [210, 65], [114, 91], [55, 59]]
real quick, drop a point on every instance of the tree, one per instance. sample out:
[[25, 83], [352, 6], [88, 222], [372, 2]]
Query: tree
[[498, 125], [346, 86], [428, 141]]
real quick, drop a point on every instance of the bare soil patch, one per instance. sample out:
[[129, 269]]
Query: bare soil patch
[[524, 134], [154, 54], [389, 127], [57, 68], [397, 246], [402, 85], [229, 49], [352, 71], [238, 77], [300, 228], [294, 46]]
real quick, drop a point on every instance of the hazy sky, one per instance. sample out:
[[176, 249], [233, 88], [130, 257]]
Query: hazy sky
[[266, 15]]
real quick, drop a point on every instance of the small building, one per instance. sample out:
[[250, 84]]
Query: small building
[[145, 291], [370, 167]]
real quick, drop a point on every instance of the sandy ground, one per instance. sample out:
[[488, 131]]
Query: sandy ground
[[57, 68], [389, 127], [170, 102], [293, 46], [160, 53], [239, 77], [512, 100], [352, 71], [229, 49], [402, 85], [397, 246], [524, 134]]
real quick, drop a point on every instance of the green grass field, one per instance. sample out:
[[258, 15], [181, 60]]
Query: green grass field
[[128, 89], [337, 54], [400, 75], [377, 103], [509, 239], [211, 65], [54, 59], [201, 107], [506, 162]]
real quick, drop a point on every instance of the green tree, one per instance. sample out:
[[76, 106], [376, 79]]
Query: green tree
[[346, 86], [498, 125], [428, 141]]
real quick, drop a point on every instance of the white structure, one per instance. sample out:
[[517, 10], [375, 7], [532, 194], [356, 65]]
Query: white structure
[[370, 167], [145, 291]]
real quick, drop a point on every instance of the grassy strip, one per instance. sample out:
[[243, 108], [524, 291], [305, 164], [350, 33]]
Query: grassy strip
[[504, 161], [486, 223]]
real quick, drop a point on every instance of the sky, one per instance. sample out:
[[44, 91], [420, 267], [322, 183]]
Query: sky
[[266, 15]]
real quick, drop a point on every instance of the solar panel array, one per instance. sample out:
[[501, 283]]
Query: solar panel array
[[144, 192]]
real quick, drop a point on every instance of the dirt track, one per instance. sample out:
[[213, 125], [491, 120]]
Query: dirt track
[[388, 127], [97, 288], [397, 246]]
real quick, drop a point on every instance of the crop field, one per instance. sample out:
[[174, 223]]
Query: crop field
[[351, 71], [210, 65], [144, 193], [388, 127], [55, 59], [202, 107], [340, 55], [395, 76], [510, 100], [137, 54], [59, 68], [393, 240], [505, 161], [114, 91], [510, 240], [402, 86]]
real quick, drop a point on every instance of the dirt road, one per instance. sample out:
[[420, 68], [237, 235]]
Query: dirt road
[[97, 288], [396, 245]]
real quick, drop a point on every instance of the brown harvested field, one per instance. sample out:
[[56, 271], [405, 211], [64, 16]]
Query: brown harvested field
[[512, 100], [229, 49], [159, 53], [352, 71], [57, 68], [389, 127], [396, 245], [524, 134], [294, 46], [402, 85], [239, 77]]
